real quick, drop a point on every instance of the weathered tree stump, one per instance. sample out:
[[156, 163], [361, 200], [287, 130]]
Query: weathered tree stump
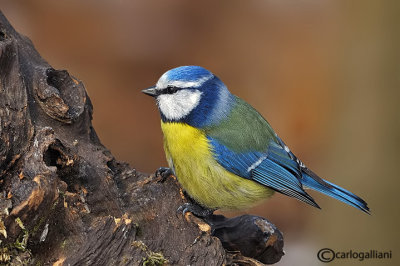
[[64, 199]]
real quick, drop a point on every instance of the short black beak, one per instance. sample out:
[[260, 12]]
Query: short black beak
[[151, 91]]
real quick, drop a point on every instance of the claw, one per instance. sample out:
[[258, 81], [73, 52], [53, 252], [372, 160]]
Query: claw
[[196, 209], [183, 209], [164, 173]]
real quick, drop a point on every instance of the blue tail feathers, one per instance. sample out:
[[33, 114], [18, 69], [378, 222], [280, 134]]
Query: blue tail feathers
[[312, 181]]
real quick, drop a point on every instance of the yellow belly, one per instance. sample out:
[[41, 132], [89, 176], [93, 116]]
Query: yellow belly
[[189, 154]]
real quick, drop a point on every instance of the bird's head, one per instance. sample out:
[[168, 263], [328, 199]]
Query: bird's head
[[193, 95]]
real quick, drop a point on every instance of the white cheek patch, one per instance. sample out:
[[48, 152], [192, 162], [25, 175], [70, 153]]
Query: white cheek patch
[[178, 105]]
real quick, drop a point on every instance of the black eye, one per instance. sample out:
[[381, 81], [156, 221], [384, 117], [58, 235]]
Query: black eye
[[171, 89]]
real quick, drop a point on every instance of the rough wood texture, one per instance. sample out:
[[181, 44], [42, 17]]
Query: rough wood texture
[[64, 199]]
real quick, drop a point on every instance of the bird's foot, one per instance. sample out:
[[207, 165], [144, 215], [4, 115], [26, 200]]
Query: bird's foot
[[164, 173], [196, 209]]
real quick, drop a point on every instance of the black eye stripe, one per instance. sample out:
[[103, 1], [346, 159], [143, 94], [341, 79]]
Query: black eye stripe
[[170, 90]]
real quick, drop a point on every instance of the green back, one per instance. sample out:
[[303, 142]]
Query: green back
[[243, 130]]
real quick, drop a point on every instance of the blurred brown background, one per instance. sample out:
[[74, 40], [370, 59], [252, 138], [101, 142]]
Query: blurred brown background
[[324, 73]]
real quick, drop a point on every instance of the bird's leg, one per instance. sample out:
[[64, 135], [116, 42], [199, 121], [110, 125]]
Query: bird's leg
[[164, 173], [191, 206], [195, 208]]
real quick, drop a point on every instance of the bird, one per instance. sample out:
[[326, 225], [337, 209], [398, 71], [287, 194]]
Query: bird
[[223, 152]]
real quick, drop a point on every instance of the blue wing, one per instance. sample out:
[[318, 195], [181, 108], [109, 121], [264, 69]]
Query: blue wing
[[279, 169], [273, 168]]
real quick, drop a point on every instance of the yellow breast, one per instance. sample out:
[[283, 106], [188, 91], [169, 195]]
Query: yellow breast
[[189, 153]]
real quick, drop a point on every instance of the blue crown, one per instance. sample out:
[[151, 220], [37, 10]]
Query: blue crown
[[187, 73]]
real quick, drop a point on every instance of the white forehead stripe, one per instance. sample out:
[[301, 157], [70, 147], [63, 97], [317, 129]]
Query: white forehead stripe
[[178, 105], [164, 82]]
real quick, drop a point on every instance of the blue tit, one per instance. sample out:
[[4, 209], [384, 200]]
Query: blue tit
[[223, 152]]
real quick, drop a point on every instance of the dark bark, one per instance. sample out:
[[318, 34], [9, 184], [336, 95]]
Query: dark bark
[[65, 199]]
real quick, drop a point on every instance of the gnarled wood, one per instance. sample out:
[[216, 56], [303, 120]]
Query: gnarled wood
[[64, 199]]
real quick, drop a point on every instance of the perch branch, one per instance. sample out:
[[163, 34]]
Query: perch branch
[[64, 199]]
